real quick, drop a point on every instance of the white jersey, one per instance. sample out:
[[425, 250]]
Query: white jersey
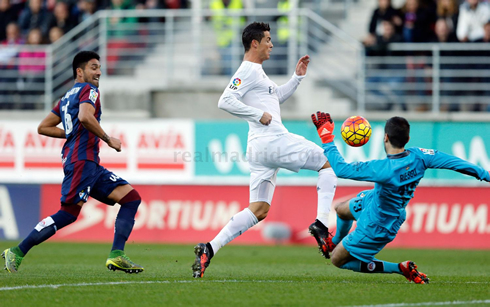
[[251, 93]]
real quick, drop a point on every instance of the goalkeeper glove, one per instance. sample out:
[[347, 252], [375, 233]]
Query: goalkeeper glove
[[324, 125]]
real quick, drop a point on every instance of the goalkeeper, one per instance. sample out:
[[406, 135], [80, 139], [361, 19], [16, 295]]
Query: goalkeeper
[[381, 211]]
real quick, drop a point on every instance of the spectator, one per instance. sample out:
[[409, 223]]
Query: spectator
[[17, 6], [384, 11], [55, 33], [7, 15], [13, 35], [417, 22], [381, 42], [32, 60], [115, 22], [50, 4], [8, 54], [444, 35], [61, 18], [8, 62], [34, 16], [31, 69], [150, 5], [443, 32], [486, 34], [448, 10], [118, 46], [224, 31], [387, 87], [473, 14], [86, 9], [175, 4]]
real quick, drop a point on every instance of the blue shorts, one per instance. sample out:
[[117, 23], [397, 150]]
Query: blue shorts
[[87, 178], [368, 239]]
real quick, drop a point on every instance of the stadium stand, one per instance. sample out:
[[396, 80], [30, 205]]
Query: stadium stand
[[162, 48]]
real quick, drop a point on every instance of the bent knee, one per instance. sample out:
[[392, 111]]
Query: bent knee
[[335, 259], [259, 209], [343, 210], [261, 216], [132, 199], [72, 209]]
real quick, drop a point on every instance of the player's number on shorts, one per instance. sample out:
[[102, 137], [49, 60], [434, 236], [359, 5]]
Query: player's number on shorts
[[114, 177], [357, 205]]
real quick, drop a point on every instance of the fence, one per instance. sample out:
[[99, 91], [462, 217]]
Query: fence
[[429, 77], [168, 46]]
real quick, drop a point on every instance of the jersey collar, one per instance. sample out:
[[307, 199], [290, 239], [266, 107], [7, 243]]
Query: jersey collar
[[398, 156]]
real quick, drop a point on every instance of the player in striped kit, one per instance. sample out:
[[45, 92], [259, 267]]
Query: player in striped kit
[[252, 96], [79, 110]]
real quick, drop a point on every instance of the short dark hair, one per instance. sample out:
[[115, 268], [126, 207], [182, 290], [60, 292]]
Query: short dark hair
[[254, 31], [81, 59], [398, 131]]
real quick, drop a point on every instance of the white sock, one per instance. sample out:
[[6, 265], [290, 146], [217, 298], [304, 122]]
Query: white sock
[[327, 183], [237, 225]]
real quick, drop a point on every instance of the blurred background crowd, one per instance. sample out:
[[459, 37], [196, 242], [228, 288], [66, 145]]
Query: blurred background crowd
[[424, 21], [36, 22], [45, 21], [393, 79]]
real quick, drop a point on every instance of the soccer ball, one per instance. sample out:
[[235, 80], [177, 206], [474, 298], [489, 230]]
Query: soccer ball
[[356, 131]]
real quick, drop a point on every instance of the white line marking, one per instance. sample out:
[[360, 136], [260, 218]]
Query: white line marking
[[55, 286], [138, 282], [428, 304]]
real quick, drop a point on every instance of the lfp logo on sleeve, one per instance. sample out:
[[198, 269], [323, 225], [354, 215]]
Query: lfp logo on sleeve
[[235, 83], [93, 95]]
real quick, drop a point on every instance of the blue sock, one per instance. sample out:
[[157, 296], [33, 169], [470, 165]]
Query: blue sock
[[391, 267], [45, 229], [353, 265], [375, 266], [125, 219], [343, 227]]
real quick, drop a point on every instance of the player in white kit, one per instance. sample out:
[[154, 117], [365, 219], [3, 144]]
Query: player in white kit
[[251, 95]]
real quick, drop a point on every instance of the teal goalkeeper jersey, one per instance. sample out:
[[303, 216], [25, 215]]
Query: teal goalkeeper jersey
[[396, 178]]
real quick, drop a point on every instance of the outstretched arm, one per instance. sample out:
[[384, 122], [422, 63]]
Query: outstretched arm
[[88, 120], [361, 171], [286, 90], [370, 171], [48, 127], [437, 159]]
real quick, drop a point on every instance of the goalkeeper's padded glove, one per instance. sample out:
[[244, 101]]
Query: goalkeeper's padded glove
[[324, 125]]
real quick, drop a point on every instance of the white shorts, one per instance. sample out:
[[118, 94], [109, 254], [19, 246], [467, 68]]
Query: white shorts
[[266, 155]]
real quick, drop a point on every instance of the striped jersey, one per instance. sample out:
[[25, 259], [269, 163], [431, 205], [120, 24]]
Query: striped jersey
[[80, 144]]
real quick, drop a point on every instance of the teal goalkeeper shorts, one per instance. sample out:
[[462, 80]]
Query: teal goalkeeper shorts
[[368, 239]]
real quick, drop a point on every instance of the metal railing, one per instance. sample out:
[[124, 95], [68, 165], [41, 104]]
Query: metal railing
[[22, 76], [429, 77], [179, 48], [176, 46]]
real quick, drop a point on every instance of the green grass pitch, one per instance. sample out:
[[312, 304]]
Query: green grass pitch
[[74, 274]]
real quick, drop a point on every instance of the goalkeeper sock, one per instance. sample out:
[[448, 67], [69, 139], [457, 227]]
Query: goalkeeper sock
[[237, 225], [376, 266], [343, 227], [327, 183]]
